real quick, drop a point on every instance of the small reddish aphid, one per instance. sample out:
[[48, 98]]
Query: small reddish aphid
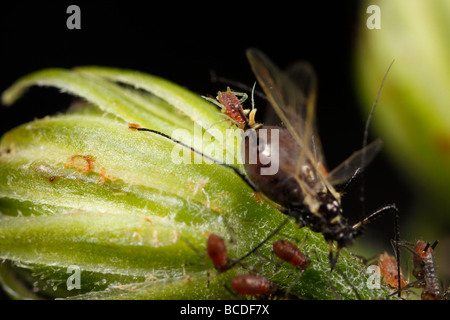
[[424, 270], [290, 253], [301, 188], [217, 252], [250, 284], [232, 107], [388, 269]]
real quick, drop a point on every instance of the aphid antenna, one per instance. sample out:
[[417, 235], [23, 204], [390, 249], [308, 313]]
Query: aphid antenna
[[351, 181], [215, 78], [360, 172], [235, 169], [392, 208], [273, 233], [253, 95], [294, 238], [362, 195]]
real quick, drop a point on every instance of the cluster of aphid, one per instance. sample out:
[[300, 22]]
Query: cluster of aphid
[[253, 284], [302, 188], [424, 270]]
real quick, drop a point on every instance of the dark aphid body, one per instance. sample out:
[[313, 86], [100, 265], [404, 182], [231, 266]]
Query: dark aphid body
[[295, 190], [300, 184], [424, 270], [250, 284], [217, 252], [290, 171], [290, 253]]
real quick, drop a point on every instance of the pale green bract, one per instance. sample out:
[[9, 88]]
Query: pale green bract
[[413, 116]]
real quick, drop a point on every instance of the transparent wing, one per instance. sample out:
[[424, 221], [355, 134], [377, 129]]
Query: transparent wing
[[287, 101], [292, 96], [304, 78], [358, 160]]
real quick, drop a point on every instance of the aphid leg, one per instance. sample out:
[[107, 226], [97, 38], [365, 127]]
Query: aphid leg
[[243, 95], [230, 230], [285, 221], [262, 257], [295, 239], [349, 283], [333, 289], [207, 198], [446, 294], [190, 245], [232, 292], [236, 84], [236, 170], [226, 118], [415, 284], [213, 100], [392, 208], [288, 289], [333, 260]]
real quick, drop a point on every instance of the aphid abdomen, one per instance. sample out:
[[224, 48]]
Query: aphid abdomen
[[291, 254], [249, 284], [269, 156], [232, 106], [388, 269], [217, 252], [425, 270]]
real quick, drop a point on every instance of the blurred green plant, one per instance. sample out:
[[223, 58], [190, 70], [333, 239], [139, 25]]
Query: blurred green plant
[[413, 117], [82, 189]]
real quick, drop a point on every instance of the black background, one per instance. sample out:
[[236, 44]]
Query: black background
[[183, 42]]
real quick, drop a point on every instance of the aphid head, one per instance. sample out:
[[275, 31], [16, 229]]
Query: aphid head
[[343, 235], [329, 207]]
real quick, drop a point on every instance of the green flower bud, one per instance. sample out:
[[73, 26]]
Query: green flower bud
[[91, 209], [413, 115]]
